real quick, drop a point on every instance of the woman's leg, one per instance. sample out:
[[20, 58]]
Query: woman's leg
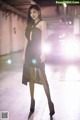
[[47, 90], [31, 85], [45, 83]]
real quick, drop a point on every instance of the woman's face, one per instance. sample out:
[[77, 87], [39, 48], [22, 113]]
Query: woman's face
[[34, 14]]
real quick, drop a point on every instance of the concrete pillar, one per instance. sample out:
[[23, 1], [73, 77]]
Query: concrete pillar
[[10, 31], [76, 25], [0, 32]]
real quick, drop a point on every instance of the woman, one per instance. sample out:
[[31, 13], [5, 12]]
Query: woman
[[33, 56]]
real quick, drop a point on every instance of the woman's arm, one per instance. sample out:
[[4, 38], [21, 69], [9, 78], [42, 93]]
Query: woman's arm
[[25, 45], [43, 38], [43, 33]]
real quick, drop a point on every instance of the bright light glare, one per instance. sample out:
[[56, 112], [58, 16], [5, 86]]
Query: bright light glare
[[72, 73], [63, 34], [9, 61], [70, 49], [34, 61], [70, 22], [46, 48], [64, 5]]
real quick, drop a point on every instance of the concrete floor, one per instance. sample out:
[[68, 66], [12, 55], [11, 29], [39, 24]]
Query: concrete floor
[[64, 82]]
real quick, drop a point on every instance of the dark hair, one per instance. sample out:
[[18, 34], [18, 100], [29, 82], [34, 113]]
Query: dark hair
[[30, 21]]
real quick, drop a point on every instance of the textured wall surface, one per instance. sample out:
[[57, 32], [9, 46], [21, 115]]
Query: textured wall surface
[[12, 34]]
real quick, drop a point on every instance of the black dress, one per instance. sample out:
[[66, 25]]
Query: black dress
[[32, 55]]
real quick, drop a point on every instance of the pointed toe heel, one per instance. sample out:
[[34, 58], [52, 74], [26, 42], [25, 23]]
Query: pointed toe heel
[[32, 108], [52, 110]]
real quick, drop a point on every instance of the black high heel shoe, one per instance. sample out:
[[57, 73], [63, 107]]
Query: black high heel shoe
[[32, 108], [52, 110]]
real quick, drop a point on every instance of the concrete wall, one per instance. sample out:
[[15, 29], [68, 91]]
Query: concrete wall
[[4, 34], [12, 34], [18, 33]]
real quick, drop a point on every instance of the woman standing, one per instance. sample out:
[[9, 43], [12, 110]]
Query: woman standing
[[33, 56]]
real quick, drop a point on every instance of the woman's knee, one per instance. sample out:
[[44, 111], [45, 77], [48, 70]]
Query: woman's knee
[[43, 77], [32, 73]]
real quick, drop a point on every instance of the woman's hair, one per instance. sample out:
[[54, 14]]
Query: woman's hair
[[30, 21]]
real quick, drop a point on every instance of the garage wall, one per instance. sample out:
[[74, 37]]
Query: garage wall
[[4, 34], [12, 35], [18, 33]]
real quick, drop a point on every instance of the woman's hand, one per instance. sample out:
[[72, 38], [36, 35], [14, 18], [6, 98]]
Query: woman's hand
[[42, 57]]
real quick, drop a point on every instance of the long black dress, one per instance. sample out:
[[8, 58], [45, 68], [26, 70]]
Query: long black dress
[[32, 54]]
